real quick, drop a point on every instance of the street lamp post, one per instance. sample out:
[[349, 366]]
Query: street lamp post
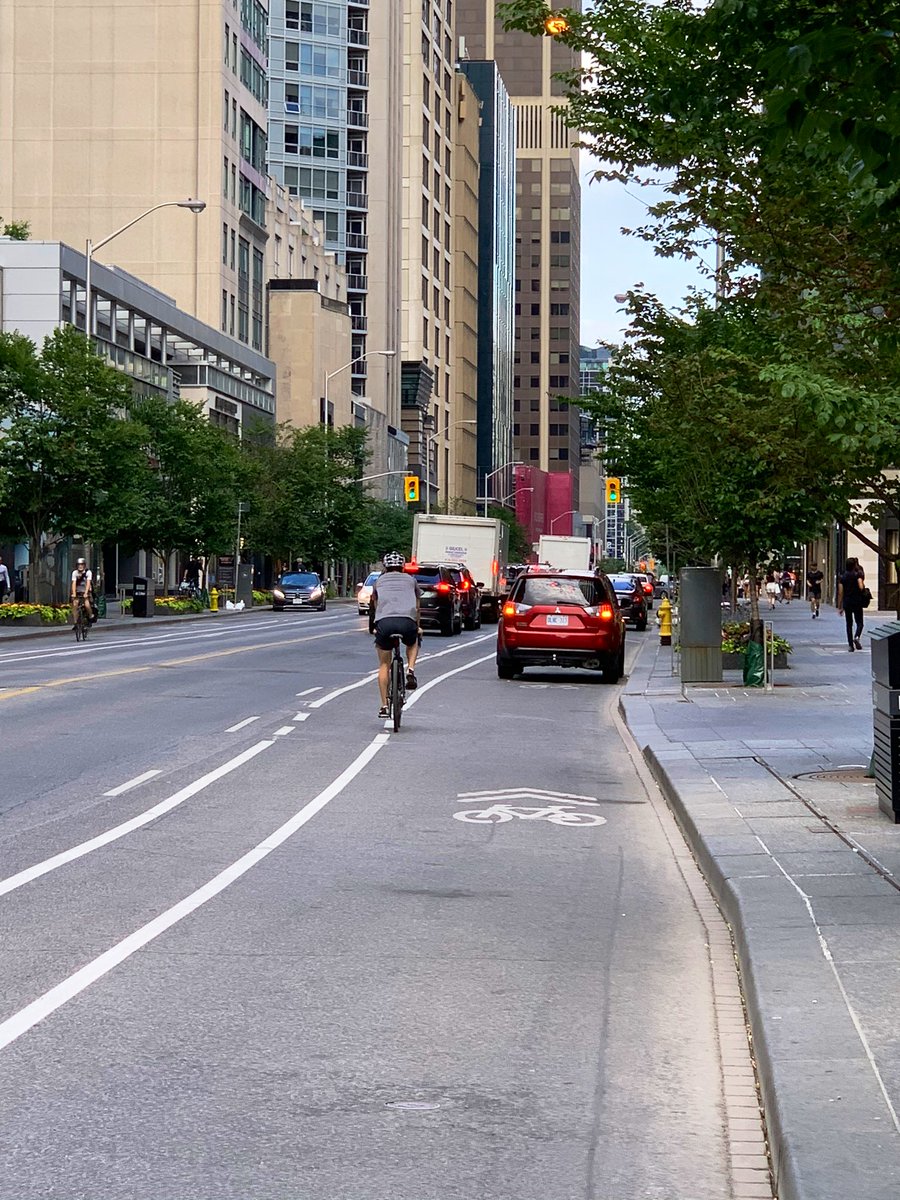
[[437, 433], [512, 495], [346, 367], [196, 207], [490, 475], [560, 517]]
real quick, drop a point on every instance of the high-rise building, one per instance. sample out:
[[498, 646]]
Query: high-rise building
[[109, 109], [431, 90], [496, 278], [335, 141], [546, 432]]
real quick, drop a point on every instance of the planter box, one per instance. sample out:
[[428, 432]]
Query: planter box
[[735, 662]]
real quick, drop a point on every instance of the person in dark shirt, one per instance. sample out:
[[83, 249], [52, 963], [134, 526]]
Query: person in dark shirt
[[814, 579], [850, 601]]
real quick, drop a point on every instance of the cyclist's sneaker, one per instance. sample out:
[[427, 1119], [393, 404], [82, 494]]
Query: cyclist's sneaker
[[411, 682], [384, 712]]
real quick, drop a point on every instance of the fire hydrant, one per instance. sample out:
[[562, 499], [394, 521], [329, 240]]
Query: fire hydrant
[[665, 622], [213, 600]]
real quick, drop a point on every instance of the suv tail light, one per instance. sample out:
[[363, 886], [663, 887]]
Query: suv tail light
[[606, 612], [508, 610], [443, 587], [465, 585], [648, 588]]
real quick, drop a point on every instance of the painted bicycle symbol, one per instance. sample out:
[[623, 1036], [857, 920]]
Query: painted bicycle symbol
[[557, 808]]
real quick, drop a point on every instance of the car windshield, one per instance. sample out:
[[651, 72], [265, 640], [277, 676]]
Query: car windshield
[[371, 579], [547, 590], [300, 579]]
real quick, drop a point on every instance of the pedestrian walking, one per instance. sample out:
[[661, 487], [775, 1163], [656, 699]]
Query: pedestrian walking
[[787, 585], [814, 579], [4, 581], [852, 600], [773, 588]]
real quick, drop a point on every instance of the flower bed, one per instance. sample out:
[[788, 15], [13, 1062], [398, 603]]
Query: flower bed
[[736, 635], [34, 614], [171, 604]]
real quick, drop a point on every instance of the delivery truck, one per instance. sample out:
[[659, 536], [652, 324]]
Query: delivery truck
[[564, 553], [479, 543]]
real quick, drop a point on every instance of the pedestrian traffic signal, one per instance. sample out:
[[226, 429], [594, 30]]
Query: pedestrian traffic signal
[[411, 488], [613, 490]]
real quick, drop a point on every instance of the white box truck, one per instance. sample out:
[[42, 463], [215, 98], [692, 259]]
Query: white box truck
[[564, 553], [480, 543]]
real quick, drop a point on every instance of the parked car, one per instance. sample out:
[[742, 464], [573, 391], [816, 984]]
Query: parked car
[[646, 582], [364, 593], [469, 594], [561, 619], [662, 589], [632, 600], [440, 606], [299, 589]]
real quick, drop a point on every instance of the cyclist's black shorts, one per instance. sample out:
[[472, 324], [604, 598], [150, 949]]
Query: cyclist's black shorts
[[388, 627]]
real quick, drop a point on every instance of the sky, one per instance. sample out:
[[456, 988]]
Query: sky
[[612, 262]]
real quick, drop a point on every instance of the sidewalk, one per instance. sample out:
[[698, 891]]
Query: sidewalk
[[114, 619], [807, 872]]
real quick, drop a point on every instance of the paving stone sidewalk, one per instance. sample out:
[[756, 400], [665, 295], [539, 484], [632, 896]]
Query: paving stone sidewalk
[[807, 871]]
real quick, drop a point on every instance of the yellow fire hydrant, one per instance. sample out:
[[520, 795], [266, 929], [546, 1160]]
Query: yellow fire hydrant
[[213, 600], [665, 622]]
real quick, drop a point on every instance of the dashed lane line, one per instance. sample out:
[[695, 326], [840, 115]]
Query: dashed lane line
[[132, 783], [41, 1008]]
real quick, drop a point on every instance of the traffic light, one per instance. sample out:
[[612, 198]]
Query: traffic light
[[411, 488], [613, 490], [556, 25]]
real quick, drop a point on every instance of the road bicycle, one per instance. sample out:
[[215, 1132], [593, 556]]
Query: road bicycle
[[82, 624], [396, 694]]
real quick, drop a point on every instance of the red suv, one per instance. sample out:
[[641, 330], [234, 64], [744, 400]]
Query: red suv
[[561, 619]]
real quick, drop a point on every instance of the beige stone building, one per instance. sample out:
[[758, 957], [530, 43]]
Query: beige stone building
[[108, 108]]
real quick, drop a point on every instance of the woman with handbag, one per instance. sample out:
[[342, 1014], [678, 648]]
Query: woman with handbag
[[853, 597]]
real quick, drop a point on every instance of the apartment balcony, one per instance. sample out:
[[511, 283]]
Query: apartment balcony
[[357, 119], [359, 324], [359, 4], [357, 283], [358, 37], [358, 79], [357, 241], [359, 201], [358, 160]]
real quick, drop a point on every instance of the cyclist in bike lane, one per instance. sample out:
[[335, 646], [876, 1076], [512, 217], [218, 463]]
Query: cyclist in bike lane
[[82, 590], [395, 597]]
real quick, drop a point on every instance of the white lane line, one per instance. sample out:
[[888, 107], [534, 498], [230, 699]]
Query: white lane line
[[309, 691], [119, 831], [241, 724], [350, 687], [132, 783], [63, 992], [304, 716], [283, 731], [426, 687]]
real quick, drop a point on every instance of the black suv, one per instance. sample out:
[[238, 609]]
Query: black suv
[[469, 595], [632, 599], [440, 606]]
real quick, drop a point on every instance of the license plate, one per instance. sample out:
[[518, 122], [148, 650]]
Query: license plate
[[557, 620], [298, 601]]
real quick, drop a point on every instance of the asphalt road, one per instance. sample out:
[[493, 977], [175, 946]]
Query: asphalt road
[[251, 948]]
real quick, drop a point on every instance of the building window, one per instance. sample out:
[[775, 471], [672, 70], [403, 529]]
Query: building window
[[323, 61], [319, 101], [292, 56], [535, 310], [559, 214], [224, 311], [225, 244], [559, 310], [318, 184], [321, 19], [559, 236]]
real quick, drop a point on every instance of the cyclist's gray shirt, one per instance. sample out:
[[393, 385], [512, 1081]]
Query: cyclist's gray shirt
[[396, 595]]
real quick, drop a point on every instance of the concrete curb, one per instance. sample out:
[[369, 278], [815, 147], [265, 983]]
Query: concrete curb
[[830, 1132]]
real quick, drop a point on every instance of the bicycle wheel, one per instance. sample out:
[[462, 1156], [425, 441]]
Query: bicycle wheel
[[396, 691]]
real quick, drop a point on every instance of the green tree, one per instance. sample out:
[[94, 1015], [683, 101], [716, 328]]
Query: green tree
[[307, 501], [519, 547], [186, 494], [66, 456]]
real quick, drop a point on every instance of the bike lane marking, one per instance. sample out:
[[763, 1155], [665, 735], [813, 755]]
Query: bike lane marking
[[132, 783], [119, 831], [241, 724], [38, 1010], [556, 807]]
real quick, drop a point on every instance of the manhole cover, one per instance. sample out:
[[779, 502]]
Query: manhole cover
[[839, 775]]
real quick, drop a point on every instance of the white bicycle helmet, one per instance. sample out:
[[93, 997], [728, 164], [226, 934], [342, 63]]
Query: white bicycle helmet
[[394, 559]]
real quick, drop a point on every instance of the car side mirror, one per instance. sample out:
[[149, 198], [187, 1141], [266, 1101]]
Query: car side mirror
[[479, 585]]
